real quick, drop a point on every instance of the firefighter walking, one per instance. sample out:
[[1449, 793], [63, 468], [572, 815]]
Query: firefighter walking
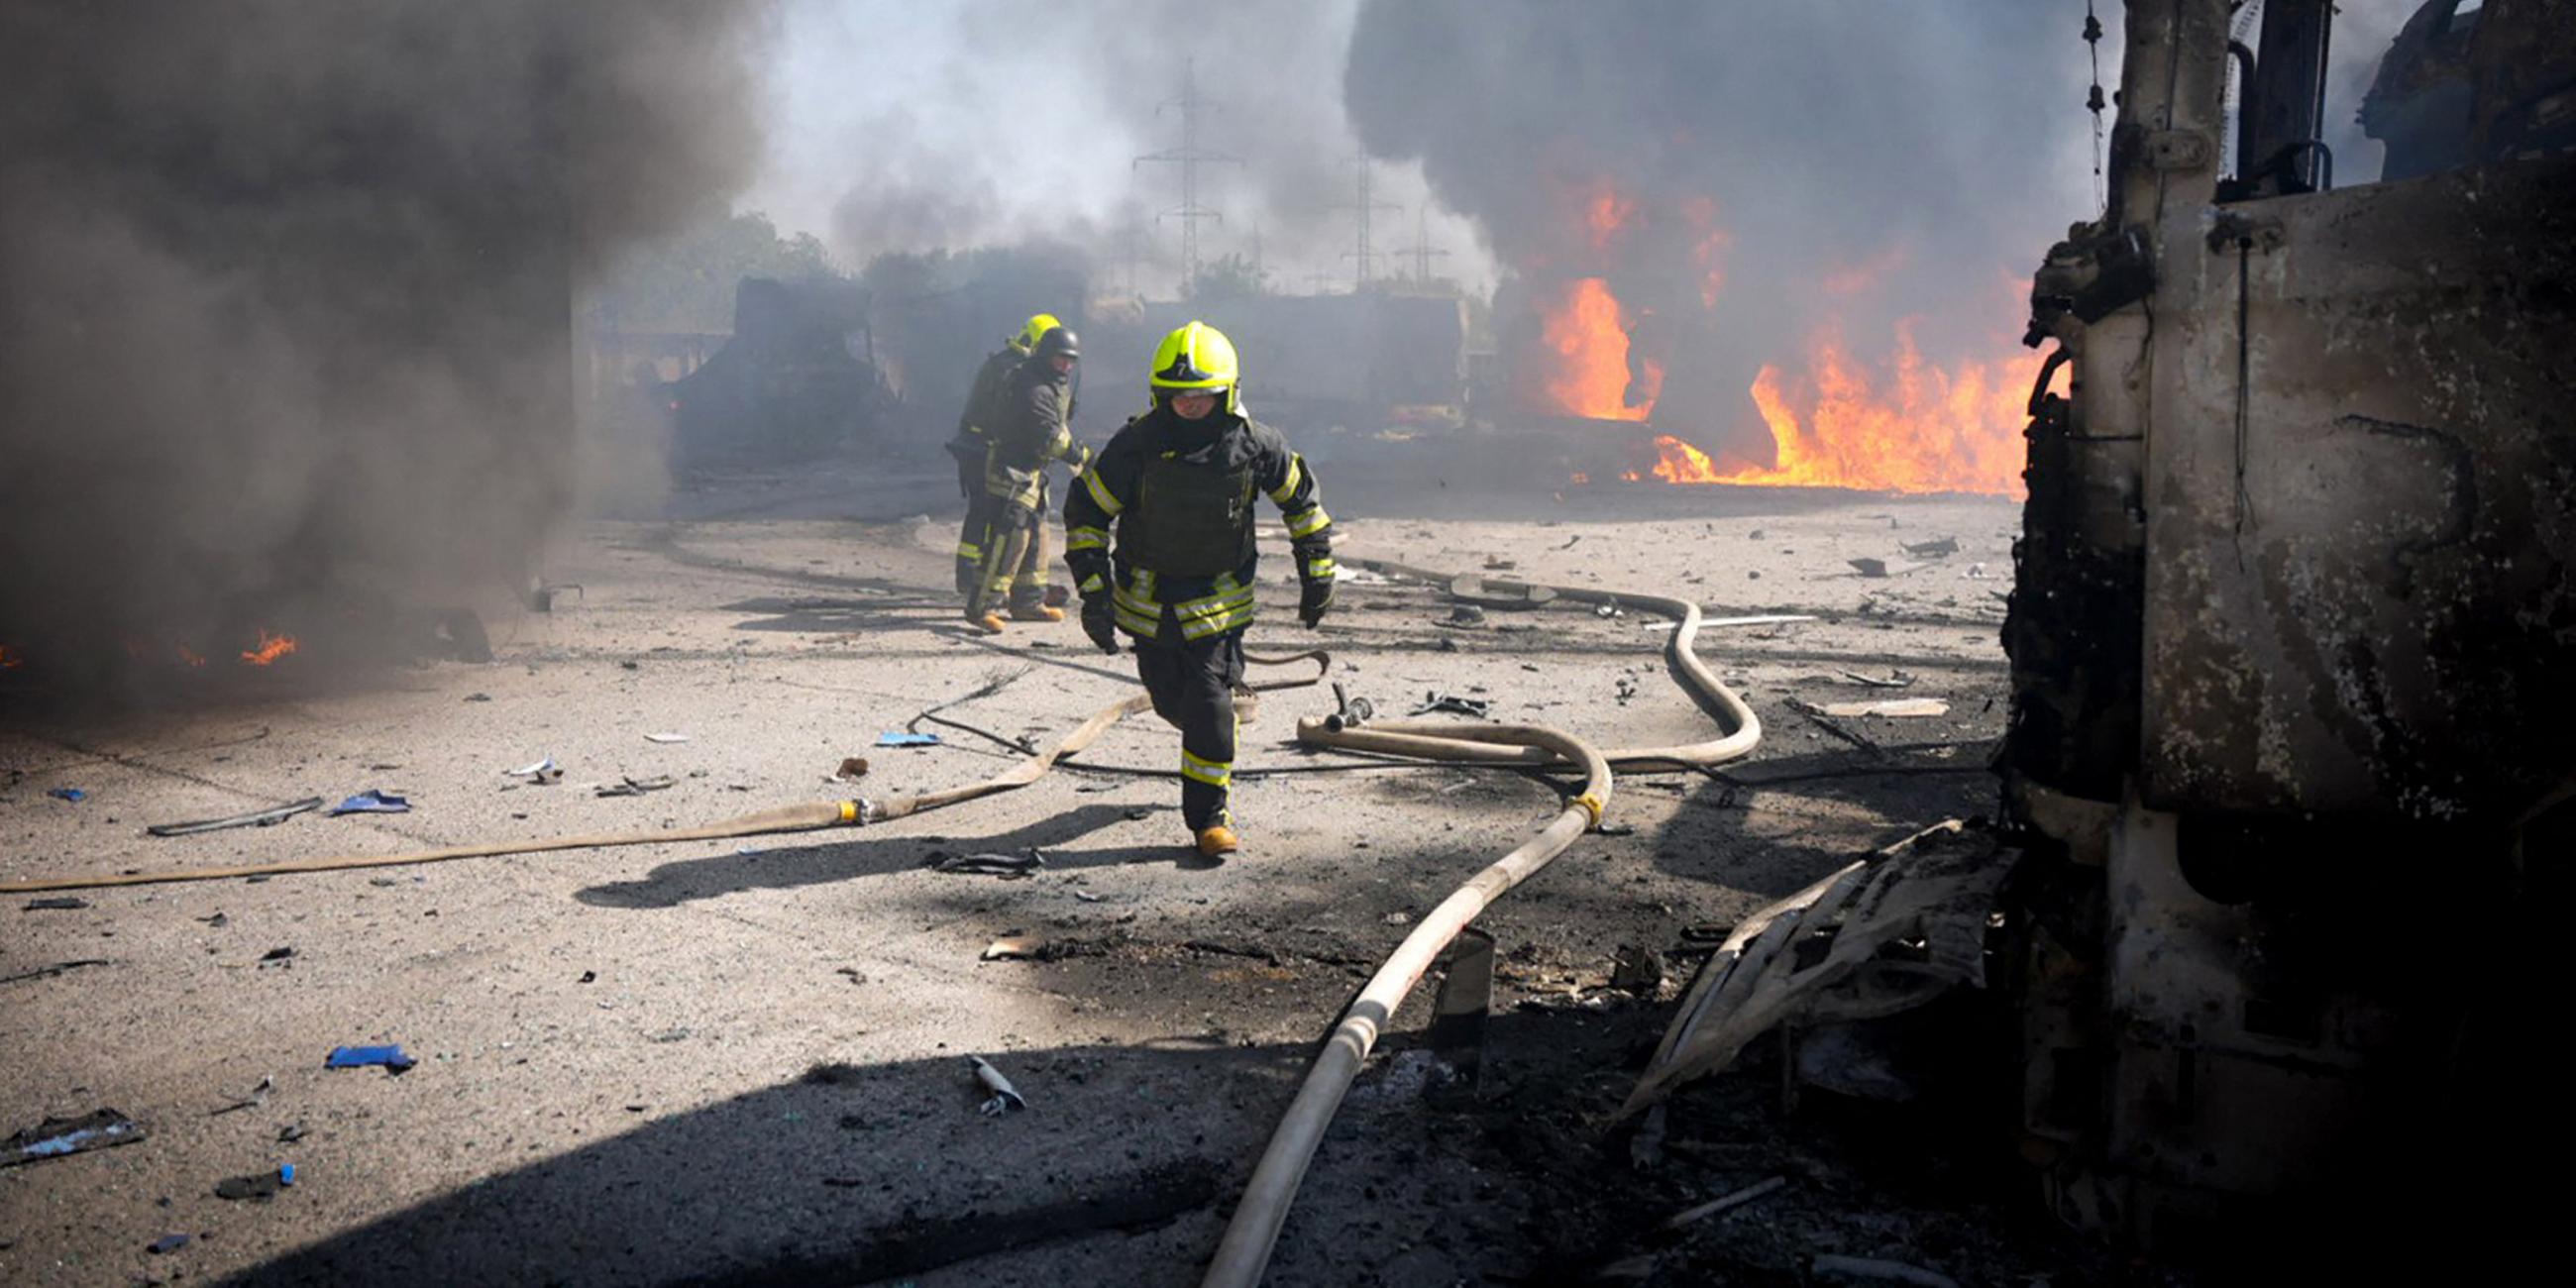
[[1176, 485], [1025, 428], [970, 442]]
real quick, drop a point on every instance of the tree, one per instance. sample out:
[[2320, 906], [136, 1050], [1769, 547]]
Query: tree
[[1232, 277], [686, 283]]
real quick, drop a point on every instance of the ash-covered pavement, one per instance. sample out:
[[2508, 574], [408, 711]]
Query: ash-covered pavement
[[746, 1062]]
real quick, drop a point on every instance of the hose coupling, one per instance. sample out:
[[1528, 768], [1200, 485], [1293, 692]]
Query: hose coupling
[[1591, 805]]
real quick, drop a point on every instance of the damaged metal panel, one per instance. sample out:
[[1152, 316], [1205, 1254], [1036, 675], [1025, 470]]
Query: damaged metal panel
[[2362, 488], [1884, 934]]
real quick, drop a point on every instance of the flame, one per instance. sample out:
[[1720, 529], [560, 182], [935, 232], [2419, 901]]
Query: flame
[[9, 659], [1606, 213], [1591, 376], [1683, 463], [1926, 430], [271, 648], [1712, 243]]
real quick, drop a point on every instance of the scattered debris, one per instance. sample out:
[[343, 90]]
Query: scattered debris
[[631, 786], [1005, 1097], [255, 818], [258, 1096], [291, 1133], [899, 738], [1452, 704], [1637, 971], [55, 903], [1933, 549], [72, 794], [1976, 572], [1870, 567], [58, 968], [541, 595], [1616, 829], [1894, 680], [853, 768], [588, 977], [360, 1057], [1891, 708], [166, 1243], [258, 1187], [478, 697], [1876, 1270], [374, 800], [219, 920], [1464, 615], [992, 865], [1623, 689], [1605, 611], [277, 955], [666, 737], [1725, 1203], [60, 1137], [1012, 948], [854, 974], [533, 769]]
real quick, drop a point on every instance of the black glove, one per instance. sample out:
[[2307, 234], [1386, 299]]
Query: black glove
[[1100, 623], [1313, 600]]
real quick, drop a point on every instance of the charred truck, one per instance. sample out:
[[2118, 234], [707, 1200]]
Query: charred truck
[[2292, 756]]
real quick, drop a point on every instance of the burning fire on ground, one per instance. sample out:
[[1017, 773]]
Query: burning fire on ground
[[1835, 420], [271, 648]]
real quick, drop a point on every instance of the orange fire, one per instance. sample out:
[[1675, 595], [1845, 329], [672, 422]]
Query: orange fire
[[1710, 245], [1606, 213], [271, 648], [1927, 430], [1591, 344]]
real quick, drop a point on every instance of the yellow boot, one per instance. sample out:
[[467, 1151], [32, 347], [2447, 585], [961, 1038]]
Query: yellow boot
[[1217, 839], [988, 623], [1036, 613]]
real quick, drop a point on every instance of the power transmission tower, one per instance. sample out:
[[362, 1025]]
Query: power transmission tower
[[1189, 157], [1423, 254], [1365, 255]]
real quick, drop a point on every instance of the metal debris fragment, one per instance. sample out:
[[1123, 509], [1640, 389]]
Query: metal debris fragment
[[994, 865], [61, 1137], [1005, 1097], [255, 818], [1891, 708]]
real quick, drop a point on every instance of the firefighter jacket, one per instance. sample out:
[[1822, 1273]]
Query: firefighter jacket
[[981, 399], [1026, 431], [1180, 496]]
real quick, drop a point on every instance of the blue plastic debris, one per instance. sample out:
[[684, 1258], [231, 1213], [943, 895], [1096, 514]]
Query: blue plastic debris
[[72, 794], [360, 1057], [898, 738], [167, 1243], [258, 1187], [58, 1137], [372, 801]]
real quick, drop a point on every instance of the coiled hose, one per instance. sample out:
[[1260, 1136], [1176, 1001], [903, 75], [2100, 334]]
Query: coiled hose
[[1253, 1231]]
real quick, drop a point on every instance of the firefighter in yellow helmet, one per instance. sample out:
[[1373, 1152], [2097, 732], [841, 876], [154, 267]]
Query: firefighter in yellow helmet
[[1176, 486], [971, 441], [1028, 430]]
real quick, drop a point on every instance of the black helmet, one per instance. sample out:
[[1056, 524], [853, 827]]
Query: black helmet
[[1058, 342]]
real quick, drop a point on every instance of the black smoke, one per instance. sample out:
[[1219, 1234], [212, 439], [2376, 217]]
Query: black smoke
[[286, 323]]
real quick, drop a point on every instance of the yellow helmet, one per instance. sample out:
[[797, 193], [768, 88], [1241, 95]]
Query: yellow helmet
[[1197, 357], [1037, 325]]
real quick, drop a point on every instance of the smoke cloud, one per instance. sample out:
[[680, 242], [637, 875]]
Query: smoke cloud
[[286, 309], [1745, 177]]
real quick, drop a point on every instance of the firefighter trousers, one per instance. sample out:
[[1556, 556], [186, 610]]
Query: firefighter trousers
[[1193, 683], [972, 534], [1012, 568]]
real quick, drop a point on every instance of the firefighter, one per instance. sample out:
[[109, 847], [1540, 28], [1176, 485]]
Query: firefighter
[[1027, 430], [969, 444], [1177, 484]]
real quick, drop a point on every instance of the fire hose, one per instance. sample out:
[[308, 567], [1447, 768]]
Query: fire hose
[[1253, 1231], [807, 817]]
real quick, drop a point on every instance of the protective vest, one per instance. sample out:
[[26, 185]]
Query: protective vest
[[1189, 520]]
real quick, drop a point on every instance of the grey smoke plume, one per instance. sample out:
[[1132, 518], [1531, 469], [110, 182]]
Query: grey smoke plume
[[286, 306], [1866, 162]]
